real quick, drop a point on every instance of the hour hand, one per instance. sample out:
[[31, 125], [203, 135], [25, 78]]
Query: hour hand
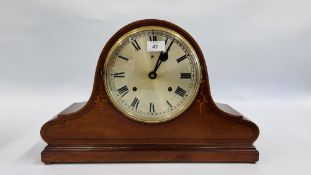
[[159, 61]]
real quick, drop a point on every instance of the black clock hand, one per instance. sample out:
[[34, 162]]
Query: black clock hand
[[159, 61], [169, 47], [162, 57]]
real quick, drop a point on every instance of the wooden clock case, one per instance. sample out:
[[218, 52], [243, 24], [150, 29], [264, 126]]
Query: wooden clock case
[[95, 131]]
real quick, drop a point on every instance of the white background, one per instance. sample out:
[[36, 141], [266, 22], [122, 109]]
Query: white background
[[258, 55]]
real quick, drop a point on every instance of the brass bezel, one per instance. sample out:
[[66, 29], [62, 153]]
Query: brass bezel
[[128, 113]]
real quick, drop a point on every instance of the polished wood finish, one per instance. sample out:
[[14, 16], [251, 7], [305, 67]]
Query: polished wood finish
[[95, 131]]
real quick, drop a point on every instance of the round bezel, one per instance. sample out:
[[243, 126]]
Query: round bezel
[[127, 112]]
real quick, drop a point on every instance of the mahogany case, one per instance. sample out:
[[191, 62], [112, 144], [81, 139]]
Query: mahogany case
[[95, 131]]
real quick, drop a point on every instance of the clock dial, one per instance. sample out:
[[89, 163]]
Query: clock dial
[[152, 74]]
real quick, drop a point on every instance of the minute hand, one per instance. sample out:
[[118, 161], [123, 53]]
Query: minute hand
[[169, 47], [163, 57]]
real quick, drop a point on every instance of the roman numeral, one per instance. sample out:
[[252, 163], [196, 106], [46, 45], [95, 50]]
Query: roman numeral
[[123, 91], [166, 41], [185, 75], [119, 75], [181, 58], [122, 57], [136, 45], [153, 38], [135, 103], [151, 107], [181, 92], [169, 103]]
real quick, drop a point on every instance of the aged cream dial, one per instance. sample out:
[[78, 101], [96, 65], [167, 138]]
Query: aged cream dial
[[152, 74]]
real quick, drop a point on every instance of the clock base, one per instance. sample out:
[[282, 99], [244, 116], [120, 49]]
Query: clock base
[[148, 153], [64, 148]]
